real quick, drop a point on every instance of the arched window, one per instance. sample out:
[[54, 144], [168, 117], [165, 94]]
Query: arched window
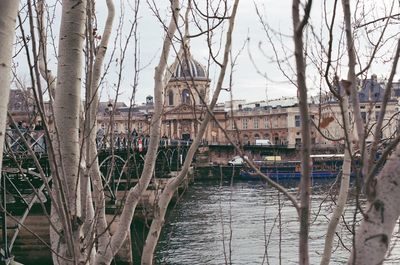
[[186, 96], [170, 98]]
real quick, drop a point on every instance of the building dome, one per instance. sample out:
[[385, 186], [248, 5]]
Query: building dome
[[189, 69]]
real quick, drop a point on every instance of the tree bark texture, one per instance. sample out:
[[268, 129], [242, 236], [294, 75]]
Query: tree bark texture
[[344, 184], [92, 158], [8, 15], [66, 118], [352, 78], [373, 236], [306, 164]]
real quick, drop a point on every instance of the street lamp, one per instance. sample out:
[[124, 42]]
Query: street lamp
[[109, 111]]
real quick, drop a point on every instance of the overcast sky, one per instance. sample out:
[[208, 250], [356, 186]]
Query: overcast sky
[[248, 84]]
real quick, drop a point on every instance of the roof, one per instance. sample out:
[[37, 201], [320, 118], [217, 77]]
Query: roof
[[189, 68], [273, 103], [371, 90], [105, 106]]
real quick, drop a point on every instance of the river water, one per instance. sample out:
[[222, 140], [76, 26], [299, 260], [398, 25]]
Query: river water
[[240, 223]]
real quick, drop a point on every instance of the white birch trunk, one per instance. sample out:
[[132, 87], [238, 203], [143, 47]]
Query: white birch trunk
[[373, 237], [381, 213], [42, 53], [105, 256], [352, 78], [8, 15], [173, 184], [92, 158], [58, 212], [344, 185], [66, 115]]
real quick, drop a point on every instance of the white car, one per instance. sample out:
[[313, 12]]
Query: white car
[[237, 161]]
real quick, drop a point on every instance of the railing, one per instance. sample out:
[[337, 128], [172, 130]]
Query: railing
[[15, 143], [139, 143], [37, 143], [250, 145]]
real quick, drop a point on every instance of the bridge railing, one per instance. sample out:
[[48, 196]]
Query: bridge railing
[[15, 143], [36, 141], [141, 143]]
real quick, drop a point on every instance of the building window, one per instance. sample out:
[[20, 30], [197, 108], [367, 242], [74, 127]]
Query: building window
[[297, 121], [233, 125], [186, 96], [245, 123], [255, 123], [170, 98], [266, 123]]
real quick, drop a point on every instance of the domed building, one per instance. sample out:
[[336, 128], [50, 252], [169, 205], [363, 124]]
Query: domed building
[[188, 85], [185, 97]]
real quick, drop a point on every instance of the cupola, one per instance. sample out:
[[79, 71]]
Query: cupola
[[189, 68]]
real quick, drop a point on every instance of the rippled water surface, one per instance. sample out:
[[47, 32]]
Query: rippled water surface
[[215, 223]]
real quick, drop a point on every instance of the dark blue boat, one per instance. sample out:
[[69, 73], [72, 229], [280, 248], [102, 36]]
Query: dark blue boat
[[324, 166]]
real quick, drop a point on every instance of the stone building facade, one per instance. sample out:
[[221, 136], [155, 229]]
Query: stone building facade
[[185, 96], [370, 95], [277, 120]]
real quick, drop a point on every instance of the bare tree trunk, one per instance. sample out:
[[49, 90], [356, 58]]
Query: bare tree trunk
[[92, 158], [42, 53], [173, 184], [369, 183], [66, 115], [306, 164], [58, 214], [352, 78], [381, 213], [8, 15], [373, 237], [344, 184], [105, 257]]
